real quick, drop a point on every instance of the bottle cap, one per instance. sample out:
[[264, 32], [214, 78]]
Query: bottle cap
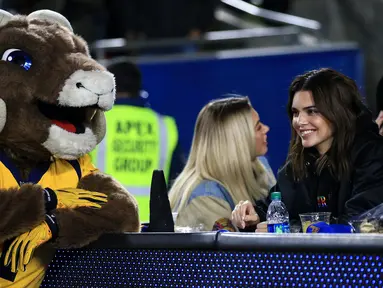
[[276, 196]]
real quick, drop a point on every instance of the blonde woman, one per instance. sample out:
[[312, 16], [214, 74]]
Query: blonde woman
[[223, 167]]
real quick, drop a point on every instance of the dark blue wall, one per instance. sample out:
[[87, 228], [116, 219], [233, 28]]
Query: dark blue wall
[[181, 88]]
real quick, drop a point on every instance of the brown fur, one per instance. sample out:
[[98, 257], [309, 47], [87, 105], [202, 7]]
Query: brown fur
[[56, 54], [79, 227], [21, 210]]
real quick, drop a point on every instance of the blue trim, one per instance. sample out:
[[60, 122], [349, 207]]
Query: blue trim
[[212, 189], [37, 173], [76, 166], [34, 176], [11, 167]]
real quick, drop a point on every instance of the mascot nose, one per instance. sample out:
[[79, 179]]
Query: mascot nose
[[86, 88], [79, 85]]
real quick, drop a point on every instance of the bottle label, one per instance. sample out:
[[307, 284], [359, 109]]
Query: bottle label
[[278, 228]]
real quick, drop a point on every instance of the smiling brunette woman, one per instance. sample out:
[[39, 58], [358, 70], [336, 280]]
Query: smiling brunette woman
[[335, 159]]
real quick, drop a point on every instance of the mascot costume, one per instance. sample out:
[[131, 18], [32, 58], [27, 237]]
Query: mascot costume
[[52, 101]]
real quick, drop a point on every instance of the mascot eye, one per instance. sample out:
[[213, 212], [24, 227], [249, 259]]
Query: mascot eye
[[18, 57]]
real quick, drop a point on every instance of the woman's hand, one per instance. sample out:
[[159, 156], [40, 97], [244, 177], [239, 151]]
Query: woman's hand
[[244, 215]]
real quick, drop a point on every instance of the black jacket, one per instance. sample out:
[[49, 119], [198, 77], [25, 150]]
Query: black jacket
[[362, 191]]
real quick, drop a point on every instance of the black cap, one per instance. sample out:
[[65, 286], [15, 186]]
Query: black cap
[[127, 76]]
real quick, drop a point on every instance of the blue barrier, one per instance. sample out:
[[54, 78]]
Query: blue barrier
[[181, 87]]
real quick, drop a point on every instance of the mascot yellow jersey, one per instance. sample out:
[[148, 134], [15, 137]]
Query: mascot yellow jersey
[[55, 175]]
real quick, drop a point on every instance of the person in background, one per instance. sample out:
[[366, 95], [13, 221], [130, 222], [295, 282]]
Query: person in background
[[335, 159], [139, 140], [223, 167]]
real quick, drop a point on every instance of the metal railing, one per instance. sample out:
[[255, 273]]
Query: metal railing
[[272, 15], [289, 34]]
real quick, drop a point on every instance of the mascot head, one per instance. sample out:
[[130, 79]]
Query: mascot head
[[52, 93]]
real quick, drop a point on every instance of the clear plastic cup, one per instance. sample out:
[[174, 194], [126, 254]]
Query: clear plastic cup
[[310, 218]]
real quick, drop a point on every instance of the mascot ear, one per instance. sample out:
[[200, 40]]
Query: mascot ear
[[50, 16], [4, 17]]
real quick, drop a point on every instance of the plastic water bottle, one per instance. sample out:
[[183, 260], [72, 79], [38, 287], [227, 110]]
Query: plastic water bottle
[[277, 215]]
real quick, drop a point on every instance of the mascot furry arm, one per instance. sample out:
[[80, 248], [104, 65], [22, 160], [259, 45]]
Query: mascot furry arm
[[52, 103]]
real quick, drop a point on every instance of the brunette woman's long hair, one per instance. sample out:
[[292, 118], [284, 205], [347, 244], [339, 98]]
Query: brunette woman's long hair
[[337, 98]]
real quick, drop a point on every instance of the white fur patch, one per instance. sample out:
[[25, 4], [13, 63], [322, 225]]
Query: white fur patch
[[97, 87], [67, 145]]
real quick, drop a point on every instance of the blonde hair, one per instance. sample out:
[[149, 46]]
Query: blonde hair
[[223, 150]]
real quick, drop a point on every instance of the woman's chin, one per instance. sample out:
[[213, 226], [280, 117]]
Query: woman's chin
[[307, 144], [263, 152]]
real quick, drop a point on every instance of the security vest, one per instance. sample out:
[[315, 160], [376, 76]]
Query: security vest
[[138, 141]]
